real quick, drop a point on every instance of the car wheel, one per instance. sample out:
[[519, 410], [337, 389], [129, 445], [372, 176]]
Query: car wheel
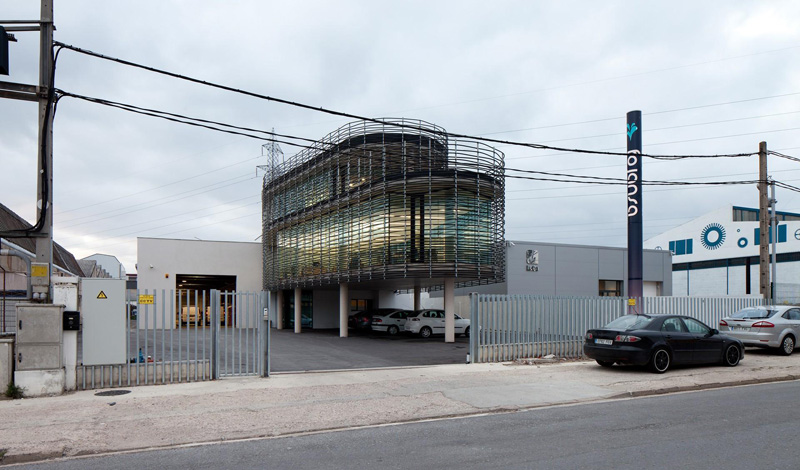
[[605, 363], [425, 332], [660, 361], [393, 330], [787, 345], [732, 355], [466, 332]]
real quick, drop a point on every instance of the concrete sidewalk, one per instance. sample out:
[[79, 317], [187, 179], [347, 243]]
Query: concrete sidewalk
[[165, 415]]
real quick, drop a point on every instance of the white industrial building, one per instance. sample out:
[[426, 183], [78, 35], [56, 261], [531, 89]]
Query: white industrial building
[[169, 265], [718, 252]]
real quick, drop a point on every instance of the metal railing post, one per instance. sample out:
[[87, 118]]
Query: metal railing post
[[214, 364]]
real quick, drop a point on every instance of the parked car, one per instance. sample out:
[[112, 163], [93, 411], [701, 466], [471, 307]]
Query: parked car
[[363, 320], [769, 326], [352, 318], [193, 316], [431, 322], [392, 323], [660, 341]]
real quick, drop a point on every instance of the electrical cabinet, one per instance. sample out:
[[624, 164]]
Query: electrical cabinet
[[103, 311]]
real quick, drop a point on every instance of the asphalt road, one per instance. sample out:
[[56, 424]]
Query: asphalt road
[[735, 428]]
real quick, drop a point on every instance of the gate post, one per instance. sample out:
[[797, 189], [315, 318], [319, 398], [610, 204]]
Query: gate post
[[264, 372], [215, 334], [475, 328]]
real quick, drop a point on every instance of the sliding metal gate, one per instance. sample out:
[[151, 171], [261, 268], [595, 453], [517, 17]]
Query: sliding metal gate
[[188, 336]]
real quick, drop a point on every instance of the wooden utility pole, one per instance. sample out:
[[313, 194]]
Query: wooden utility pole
[[763, 222]]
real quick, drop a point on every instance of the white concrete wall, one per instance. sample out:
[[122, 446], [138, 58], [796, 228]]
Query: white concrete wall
[[159, 260], [728, 281], [326, 309], [388, 299]]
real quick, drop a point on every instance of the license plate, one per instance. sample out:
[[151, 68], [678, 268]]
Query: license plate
[[603, 341], [739, 328]]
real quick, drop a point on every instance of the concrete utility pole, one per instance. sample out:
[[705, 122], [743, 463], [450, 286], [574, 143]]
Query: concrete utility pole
[[42, 266], [44, 243], [773, 220], [763, 221]]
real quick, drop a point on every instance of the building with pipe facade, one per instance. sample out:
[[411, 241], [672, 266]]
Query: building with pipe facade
[[376, 207]]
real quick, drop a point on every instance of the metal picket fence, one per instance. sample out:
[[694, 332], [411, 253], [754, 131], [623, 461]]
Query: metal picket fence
[[509, 327], [187, 336]]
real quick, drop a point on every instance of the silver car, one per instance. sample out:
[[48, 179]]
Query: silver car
[[768, 326]]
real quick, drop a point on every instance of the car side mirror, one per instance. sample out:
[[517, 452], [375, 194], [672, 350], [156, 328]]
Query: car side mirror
[[714, 331]]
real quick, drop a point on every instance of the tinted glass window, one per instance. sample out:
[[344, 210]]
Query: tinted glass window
[[695, 326], [753, 313], [429, 314], [792, 314], [629, 322], [673, 324]]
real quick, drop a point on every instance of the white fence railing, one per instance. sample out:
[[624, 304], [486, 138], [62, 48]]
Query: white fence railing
[[508, 327]]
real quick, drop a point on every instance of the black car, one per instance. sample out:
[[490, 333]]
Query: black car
[[660, 341]]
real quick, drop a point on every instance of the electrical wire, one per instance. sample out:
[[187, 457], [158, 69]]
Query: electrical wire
[[197, 122], [781, 155], [617, 181], [364, 118], [44, 199]]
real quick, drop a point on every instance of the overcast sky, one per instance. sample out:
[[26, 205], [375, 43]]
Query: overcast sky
[[561, 73]]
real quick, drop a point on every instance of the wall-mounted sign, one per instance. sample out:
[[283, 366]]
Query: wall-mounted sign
[[145, 299], [532, 260]]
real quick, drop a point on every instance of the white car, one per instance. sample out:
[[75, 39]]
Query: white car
[[391, 323], [431, 322]]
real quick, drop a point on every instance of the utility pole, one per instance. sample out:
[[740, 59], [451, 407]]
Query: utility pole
[[44, 243], [43, 94], [773, 219], [763, 222]]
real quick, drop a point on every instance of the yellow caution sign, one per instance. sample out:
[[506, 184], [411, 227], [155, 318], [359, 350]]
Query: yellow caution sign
[[39, 270], [632, 302], [102, 295], [145, 299]]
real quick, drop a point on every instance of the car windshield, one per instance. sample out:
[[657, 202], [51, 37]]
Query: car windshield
[[754, 313], [629, 322]]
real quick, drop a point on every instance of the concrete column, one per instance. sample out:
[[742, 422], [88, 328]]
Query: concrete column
[[449, 310], [298, 308], [279, 310], [344, 308], [417, 305]]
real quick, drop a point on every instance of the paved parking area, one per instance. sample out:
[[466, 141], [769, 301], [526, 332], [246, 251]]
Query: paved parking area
[[311, 350], [325, 350]]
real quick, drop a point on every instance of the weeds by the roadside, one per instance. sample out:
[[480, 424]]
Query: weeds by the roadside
[[13, 391]]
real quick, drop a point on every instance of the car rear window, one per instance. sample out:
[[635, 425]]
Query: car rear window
[[629, 322], [753, 313]]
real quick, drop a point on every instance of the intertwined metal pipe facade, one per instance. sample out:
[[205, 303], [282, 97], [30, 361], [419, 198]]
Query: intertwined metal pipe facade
[[385, 201]]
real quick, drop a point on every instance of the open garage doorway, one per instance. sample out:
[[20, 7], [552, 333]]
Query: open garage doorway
[[193, 297]]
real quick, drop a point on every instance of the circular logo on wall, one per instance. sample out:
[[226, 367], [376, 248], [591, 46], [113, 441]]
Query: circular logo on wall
[[712, 236]]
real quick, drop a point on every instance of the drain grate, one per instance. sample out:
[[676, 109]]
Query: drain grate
[[111, 393]]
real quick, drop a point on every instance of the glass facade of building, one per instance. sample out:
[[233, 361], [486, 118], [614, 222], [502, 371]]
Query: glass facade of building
[[381, 202]]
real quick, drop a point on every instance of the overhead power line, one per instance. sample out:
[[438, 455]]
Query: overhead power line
[[368, 119], [197, 122]]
